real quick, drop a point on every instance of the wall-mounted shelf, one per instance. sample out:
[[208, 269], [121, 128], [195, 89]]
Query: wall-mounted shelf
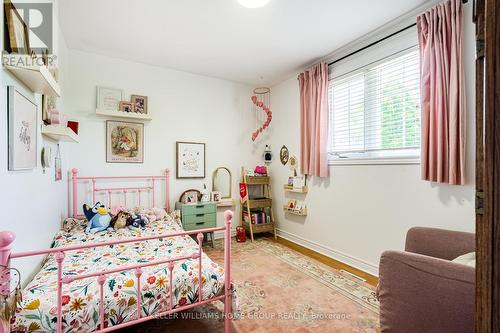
[[289, 188], [226, 203], [121, 114], [59, 133], [302, 212], [37, 78]]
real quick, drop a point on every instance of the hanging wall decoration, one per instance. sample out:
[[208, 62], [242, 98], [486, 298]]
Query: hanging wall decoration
[[261, 101]]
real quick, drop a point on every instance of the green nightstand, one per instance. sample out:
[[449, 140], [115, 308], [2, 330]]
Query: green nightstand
[[201, 215]]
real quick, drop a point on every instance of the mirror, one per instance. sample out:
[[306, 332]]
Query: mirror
[[221, 182]]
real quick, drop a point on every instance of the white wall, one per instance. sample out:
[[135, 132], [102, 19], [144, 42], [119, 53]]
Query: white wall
[[184, 107], [34, 204], [362, 210]]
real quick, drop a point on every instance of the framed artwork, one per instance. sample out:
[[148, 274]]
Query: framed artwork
[[22, 130], [124, 142], [18, 30], [58, 165], [109, 98], [140, 103], [126, 106], [190, 196], [190, 160], [216, 196]]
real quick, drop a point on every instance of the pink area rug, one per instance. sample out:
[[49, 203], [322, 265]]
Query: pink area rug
[[281, 290]]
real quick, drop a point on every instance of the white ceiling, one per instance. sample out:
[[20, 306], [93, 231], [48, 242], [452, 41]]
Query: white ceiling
[[220, 38]]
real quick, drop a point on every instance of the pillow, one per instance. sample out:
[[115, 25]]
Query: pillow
[[468, 259]]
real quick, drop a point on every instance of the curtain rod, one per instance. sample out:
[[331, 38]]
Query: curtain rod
[[377, 41]]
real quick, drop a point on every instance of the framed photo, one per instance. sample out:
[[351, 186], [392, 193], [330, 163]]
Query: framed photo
[[140, 103], [190, 160], [190, 196], [299, 181], [18, 30], [58, 169], [22, 130], [126, 106], [109, 98], [216, 196], [124, 142]]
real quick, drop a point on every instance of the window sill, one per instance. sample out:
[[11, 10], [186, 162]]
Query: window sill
[[374, 161]]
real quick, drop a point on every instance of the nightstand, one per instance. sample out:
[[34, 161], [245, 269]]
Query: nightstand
[[201, 215]]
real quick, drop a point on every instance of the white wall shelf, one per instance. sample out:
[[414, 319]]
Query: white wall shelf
[[59, 133], [121, 114], [37, 78]]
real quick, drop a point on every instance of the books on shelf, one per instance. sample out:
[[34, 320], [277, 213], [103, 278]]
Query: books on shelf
[[256, 218]]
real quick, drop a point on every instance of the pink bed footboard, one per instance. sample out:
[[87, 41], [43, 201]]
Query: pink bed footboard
[[7, 238]]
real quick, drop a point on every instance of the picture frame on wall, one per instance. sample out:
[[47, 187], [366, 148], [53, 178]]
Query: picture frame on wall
[[190, 160], [140, 103], [124, 142], [109, 98], [22, 130], [17, 29], [126, 106]]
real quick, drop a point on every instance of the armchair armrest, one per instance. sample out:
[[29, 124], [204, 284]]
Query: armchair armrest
[[439, 243], [418, 293]]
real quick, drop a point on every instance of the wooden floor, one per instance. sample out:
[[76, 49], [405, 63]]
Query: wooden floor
[[370, 279]]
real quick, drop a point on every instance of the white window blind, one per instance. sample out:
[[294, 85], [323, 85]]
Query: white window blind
[[375, 109]]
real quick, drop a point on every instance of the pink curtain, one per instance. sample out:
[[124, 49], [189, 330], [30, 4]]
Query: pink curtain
[[442, 93], [313, 84]]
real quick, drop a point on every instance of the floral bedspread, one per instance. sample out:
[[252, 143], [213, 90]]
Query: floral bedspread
[[81, 297]]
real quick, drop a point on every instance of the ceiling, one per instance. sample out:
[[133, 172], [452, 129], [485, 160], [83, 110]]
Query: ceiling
[[220, 38]]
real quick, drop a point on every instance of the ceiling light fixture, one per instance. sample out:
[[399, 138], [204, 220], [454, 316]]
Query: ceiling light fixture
[[253, 3]]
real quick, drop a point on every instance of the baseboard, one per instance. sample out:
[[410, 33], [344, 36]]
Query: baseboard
[[329, 252]]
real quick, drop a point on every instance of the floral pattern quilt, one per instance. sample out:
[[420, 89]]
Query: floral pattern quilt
[[81, 297]]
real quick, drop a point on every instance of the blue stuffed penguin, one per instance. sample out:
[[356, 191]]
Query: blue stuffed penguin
[[98, 218]]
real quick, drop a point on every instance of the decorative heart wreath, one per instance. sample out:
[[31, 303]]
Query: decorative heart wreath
[[260, 104]]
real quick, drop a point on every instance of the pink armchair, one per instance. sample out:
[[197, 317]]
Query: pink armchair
[[421, 290]]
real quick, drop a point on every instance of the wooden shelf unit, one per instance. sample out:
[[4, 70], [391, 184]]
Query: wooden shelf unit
[[37, 78], [59, 133], [262, 203], [121, 114]]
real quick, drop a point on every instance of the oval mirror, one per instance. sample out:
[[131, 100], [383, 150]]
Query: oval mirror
[[221, 182]]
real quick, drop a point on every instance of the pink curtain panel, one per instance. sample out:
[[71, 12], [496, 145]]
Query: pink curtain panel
[[313, 84], [442, 93]]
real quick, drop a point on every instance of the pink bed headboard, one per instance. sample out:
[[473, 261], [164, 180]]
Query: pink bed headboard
[[149, 185]]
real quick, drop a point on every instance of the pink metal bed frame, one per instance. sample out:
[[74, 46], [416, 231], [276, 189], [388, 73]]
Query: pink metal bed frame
[[7, 238]]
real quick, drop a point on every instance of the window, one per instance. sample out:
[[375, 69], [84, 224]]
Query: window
[[375, 110]]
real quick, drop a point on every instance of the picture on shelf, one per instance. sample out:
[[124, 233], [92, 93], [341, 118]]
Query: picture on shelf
[[17, 29], [216, 196], [124, 142], [299, 181], [108, 99], [190, 196], [126, 106], [290, 181], [140, 103]]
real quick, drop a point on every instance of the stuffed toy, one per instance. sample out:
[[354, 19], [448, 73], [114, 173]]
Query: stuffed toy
[[119, 221], [136, 221], [98, 217]]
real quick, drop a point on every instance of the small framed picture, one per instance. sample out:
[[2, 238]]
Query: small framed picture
[[299, 181], [124, 142], [109, 98], [190, 196], [17, 29], [140, 103], [216, 196], [126, 106], [58, 169], [190, 160], [290, 181]]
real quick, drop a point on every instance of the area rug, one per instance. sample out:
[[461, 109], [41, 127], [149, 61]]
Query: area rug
[[281, 290]]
